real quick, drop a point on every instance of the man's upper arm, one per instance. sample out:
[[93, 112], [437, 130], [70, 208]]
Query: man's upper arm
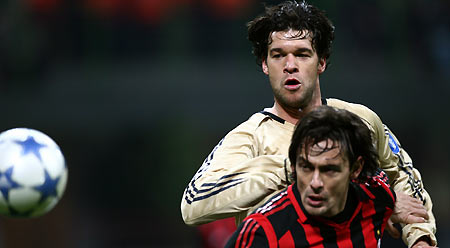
[[397, 164], [232, 179]]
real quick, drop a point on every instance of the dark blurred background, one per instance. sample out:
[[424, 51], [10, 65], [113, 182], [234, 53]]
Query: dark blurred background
[[138, 92]]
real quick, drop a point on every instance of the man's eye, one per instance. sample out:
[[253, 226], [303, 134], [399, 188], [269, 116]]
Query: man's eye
[[330, 171], [306, 168], [276, 56]]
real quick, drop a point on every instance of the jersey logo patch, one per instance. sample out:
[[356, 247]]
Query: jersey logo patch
[[393, 145]]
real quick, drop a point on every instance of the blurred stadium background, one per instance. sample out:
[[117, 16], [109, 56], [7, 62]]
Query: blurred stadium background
[[138, 92]]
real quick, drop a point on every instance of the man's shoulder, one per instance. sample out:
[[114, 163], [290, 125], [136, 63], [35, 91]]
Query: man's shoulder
[[274, 202], [377, 188], [258, 118], [361, 110], [279, 211], [262, 118], [352, 107]]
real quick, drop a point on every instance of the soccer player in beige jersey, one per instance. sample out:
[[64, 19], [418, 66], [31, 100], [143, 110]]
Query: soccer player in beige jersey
[[292, 42]]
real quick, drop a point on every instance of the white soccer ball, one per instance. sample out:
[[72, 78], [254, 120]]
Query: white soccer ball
[[33, 173]]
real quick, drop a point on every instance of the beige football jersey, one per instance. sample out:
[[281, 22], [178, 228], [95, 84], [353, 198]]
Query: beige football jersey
[[250, 164]]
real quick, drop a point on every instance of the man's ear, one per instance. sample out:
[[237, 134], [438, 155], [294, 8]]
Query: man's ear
[[293, 174], [265, 68], [321, 66], [357, 168]]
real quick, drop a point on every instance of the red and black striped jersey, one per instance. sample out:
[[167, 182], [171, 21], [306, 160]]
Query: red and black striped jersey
[[283, 222]]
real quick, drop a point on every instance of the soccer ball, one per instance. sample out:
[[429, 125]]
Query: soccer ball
[[33, 173]]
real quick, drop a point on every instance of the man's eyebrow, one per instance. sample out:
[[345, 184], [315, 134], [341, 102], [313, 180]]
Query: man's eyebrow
[[330, 167], [303, 49], [302, 160], [298, 50], [276, 50]]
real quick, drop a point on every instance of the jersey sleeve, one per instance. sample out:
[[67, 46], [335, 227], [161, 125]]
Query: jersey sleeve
[[397, 164], [232, 179], [250, 233]]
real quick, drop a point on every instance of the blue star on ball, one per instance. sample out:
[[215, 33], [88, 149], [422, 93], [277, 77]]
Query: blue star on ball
[[30, 146], [48, 188], [7, 183]]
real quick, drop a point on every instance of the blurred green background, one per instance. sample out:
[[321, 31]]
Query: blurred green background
[[138, 92]]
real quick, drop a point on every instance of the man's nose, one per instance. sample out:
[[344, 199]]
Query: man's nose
[[316, 181], [290, 65]]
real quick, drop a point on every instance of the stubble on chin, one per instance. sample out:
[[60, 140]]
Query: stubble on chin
[[297, 102]]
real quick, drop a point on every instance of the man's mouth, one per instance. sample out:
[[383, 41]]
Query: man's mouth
[[292, 84], [315, 200]]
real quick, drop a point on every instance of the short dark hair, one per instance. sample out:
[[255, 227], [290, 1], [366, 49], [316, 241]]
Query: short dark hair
[[341, 127], [291, 15]]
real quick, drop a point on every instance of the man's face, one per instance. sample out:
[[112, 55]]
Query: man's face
[[293, 68], [323, 179]]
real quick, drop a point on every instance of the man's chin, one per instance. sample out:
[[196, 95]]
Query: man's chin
[[315, 210]]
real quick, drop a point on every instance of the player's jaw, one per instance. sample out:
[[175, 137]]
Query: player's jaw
[[316, 204], [292, 94]]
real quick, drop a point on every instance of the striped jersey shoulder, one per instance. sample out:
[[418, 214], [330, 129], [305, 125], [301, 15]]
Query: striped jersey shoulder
[[275, 204], [378, 187], [278, 218], [379, 179]]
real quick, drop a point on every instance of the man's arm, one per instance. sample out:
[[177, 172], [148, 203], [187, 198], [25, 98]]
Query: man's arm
[[232, 179], [395, 161], [408, 210]]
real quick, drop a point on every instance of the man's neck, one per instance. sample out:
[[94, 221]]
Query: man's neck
[[293, 115], [350, 205]]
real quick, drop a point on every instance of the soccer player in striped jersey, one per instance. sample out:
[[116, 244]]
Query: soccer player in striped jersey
[[292, 43], [339, 197]]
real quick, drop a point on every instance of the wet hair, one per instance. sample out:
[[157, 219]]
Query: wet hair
[[344, 129], [302, 17]]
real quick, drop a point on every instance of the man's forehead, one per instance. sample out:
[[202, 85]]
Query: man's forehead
[[326, 150], [330, 146], [291, 34]]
